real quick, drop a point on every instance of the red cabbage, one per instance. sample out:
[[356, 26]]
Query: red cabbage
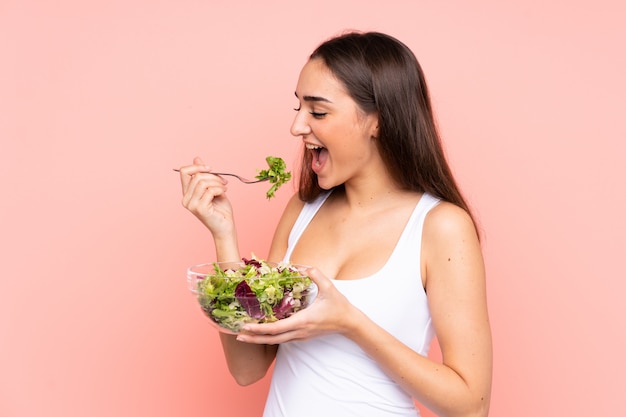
[[248, 300]]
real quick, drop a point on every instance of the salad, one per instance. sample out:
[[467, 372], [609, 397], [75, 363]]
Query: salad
[[256, 292], [276, 174]]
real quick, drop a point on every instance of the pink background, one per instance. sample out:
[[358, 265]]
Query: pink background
[[100, 99]]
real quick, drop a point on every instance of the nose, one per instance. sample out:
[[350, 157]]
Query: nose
[[300, 126]]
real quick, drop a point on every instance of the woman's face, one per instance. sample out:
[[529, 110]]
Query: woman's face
[[333, 128]]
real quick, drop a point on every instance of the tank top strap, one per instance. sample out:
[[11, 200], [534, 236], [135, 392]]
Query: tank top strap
[[410, 241], [426, 203]]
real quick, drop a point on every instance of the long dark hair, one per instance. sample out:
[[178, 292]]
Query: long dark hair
[[382, 75]]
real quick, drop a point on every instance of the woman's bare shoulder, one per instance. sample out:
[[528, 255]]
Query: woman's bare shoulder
[[448, 221], [450, 244]]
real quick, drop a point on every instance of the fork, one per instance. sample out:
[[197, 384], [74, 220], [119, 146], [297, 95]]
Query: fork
[[244, 180]]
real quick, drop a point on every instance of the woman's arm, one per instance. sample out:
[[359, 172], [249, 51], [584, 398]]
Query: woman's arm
[[204, 195], [249, 362], [455, 283]]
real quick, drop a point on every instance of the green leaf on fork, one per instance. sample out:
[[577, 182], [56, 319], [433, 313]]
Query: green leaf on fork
[[276, 174]]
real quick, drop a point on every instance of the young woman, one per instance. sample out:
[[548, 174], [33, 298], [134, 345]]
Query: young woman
[[395, 250]]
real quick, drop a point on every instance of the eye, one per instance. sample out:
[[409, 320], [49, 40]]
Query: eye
[[317, 115]]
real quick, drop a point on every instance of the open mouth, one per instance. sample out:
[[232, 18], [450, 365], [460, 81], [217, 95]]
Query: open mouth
[[319, 154]]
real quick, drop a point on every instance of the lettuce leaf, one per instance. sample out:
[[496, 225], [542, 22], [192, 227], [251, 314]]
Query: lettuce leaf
[[276, 174]]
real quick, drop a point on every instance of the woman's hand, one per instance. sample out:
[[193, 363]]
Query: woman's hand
[[330, 312], [204, 195]]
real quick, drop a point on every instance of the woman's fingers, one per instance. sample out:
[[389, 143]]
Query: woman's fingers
[[292, 328], [263, 339], [196, 180], [204, 195], [188, 172], [200, 184]]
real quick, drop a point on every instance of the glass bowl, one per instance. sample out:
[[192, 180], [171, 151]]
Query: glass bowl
[[232, 294]]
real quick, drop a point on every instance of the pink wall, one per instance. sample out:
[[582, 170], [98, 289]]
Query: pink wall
[[100, 99]]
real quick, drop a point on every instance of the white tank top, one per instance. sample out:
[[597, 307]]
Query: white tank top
[[330, 375]]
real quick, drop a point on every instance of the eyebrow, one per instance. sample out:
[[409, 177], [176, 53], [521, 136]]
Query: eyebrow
[[314, 98]]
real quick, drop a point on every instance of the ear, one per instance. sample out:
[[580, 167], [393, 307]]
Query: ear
[[374, 132], [374, 128]]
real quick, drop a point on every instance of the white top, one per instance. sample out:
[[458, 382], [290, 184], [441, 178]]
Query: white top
[[330, 375]]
